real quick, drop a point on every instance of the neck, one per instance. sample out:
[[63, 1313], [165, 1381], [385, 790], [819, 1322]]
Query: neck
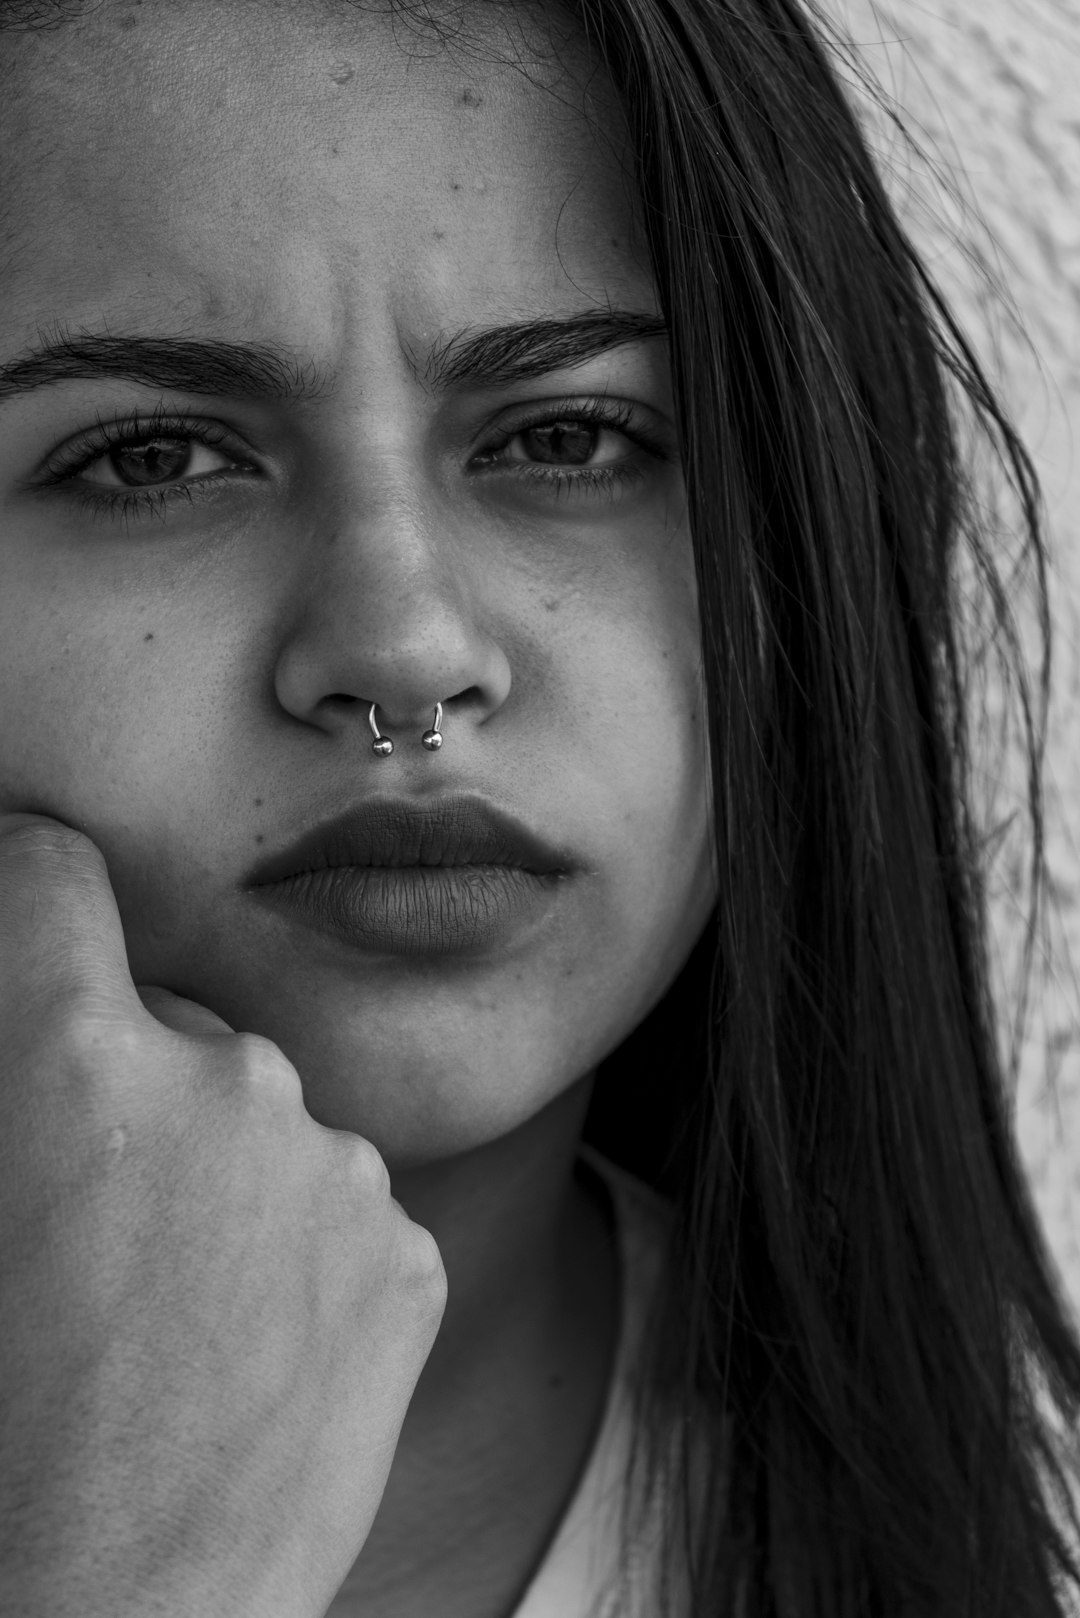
[[499, 1215], [507, 1406]]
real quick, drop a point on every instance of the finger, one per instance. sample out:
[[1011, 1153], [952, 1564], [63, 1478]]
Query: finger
[[182, 1016], [61, 938]]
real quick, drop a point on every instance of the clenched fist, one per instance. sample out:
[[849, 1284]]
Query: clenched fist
[[212, 1312]]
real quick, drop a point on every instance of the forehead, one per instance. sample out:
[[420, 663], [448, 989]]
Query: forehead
[[308, 172]]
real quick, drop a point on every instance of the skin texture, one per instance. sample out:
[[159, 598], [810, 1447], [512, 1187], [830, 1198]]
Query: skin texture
[[259, 197], [191, 690]]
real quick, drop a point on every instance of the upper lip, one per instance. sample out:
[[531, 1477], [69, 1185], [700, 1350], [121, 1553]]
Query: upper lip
[[396, 832]]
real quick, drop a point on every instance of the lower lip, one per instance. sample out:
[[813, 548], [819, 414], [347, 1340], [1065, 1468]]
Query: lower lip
[[414, 909]]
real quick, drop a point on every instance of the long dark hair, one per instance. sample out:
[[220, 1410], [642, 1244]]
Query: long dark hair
[[862, 1312]]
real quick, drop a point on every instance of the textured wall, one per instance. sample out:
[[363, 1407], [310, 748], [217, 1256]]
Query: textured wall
[[991, 89]]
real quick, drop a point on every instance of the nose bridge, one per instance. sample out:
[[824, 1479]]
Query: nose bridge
[[394, 564], [387, 607], [386, 534], [396, 526]]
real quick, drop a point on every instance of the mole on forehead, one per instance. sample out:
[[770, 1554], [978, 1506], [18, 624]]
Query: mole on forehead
[[544, 43]]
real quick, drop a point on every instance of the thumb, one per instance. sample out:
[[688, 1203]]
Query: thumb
[[182, 1016]]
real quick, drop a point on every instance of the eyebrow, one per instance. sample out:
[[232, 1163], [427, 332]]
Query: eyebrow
[[493, 356], [248, 370], [487, 356]]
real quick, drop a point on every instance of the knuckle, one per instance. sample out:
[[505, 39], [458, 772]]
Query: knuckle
[[40, 861], [83, 1031], [263, 1066], [51, 840], [368, 1172], [422, 1266], [81, 1064]]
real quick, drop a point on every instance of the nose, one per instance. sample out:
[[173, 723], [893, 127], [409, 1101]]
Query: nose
[[394, 610]]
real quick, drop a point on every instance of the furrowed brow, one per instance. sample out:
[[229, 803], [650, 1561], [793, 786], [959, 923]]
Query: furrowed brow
[[491, 356], [240, 370], [496, 356]]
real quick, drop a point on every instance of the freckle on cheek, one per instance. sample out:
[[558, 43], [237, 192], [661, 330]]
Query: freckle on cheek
[[149, 635]]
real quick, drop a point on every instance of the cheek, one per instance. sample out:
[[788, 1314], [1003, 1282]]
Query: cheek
[[84, 710], [631, 681], [636, 648], [103, 731], [670, 763], [61, 714]]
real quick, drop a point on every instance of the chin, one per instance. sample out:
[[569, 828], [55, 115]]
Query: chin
[[422, 1116]]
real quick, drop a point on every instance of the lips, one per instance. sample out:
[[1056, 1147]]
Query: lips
[[453, 877], [393, 834]]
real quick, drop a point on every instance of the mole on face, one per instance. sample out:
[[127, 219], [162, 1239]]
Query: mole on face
[[470, 98]]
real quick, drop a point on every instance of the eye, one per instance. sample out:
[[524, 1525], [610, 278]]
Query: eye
[[132, 463], [139, 466], [577, 446], [566, 442]]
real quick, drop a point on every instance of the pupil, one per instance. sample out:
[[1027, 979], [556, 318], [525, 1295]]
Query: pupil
[[571, 441], [152, 462]]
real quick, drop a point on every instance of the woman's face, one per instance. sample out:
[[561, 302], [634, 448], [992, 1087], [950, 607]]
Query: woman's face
[[317, 498]]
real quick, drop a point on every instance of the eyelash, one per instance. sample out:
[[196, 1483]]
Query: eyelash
[[128, 432], [132, 431], [616, 416]]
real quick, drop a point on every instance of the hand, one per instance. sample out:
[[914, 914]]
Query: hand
[[212, 1312]]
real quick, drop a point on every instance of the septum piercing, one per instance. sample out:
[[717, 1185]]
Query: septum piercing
[[432, 739], [382, 746]]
